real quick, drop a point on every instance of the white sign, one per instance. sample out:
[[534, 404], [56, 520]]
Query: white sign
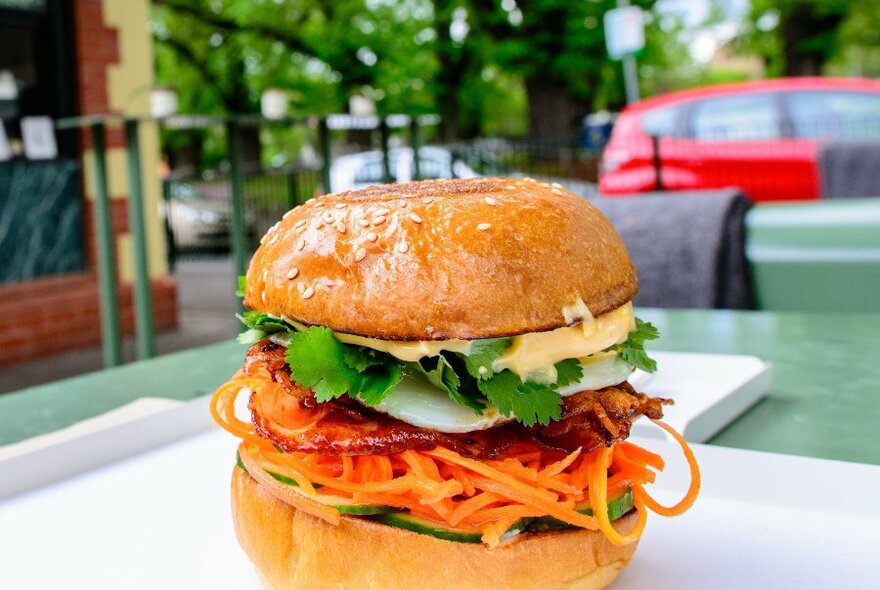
[[38, 136], [5, 150], [624, 31]]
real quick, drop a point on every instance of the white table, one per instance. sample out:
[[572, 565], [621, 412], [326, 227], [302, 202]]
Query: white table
[[162, 520]]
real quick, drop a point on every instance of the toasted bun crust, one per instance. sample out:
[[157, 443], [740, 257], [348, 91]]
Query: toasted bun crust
[[292, 549], [441, 259]]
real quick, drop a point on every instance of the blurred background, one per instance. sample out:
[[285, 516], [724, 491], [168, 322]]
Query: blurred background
[[146, 146]]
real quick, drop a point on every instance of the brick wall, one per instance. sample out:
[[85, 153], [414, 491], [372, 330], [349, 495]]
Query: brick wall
[[58, 314]]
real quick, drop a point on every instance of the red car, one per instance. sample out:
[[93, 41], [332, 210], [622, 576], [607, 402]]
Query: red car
[[763, 137]]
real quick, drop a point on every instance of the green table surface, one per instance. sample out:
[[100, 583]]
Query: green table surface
[[824, 400]]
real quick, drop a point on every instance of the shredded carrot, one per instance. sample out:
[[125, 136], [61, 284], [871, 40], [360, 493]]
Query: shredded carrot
[[441, 485], [690, 496], [286, 493]]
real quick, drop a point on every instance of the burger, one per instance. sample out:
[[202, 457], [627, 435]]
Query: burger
[[437, 389]]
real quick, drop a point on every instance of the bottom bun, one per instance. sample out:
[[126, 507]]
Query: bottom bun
[[292, 549]]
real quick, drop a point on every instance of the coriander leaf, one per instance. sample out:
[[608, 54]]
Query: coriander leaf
[[568, 371], [440, 373], [242, 286], [259, 326], [528, 402], [378, 382], [360, 358], [317, 361], [632, 350], [482, 354]]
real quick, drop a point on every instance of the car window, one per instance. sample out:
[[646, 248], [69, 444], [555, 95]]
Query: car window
[[431, 168], [829, 114], [736, 118], [662, 122]]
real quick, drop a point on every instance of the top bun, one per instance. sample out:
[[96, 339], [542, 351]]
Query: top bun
[[441, 259]]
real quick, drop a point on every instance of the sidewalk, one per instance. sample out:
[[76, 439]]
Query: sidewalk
[[205, 292]]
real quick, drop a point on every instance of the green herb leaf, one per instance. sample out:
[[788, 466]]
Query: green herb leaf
[[568, 371], [260, 325], [317, 361], [528, 402], [377, 382], [361, 358], [482, 354], [633, 350], [242, 286], [440, 373]]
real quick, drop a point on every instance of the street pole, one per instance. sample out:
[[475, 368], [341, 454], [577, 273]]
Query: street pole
[[630, 70]]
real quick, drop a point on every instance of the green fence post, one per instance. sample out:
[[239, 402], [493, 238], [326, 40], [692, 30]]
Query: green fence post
[[324, 145], [416, 140], [236, 180], [111, 341], [143, 302], [170, 243], [386, 163], [292, 191]]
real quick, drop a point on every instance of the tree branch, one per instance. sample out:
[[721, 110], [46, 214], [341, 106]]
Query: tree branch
[[232, 26]]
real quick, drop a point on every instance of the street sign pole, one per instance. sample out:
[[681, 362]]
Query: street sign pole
[[625, 34]]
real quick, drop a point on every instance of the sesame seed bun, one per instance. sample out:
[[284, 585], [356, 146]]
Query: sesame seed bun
[[292, 549], [441, 259]]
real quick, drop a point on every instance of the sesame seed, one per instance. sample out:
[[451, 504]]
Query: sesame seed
[[381, 212], [402, 202], [263, 296], [308, 293], [378, 220], [415, 218], [484, 226], [340, 205], [491, 201], [372, 237], [274, 239], [291, 274], [556, 185], [556, 191], [299, 223], [402, 247], [363, 222], [339, 226], [510, 187], [428, 200], [327, 217], [358, 214], [360, 254], [265, 274], [300, 245]]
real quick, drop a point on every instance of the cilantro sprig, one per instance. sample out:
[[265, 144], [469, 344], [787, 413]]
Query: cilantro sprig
[[331, 368], [633, 349]]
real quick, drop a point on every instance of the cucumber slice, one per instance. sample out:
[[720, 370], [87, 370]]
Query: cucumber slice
[[280, 477], [343, 505], [405, 520], [617, 507]]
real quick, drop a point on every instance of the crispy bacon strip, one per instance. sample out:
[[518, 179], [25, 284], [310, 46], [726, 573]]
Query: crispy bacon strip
[[590, 419]]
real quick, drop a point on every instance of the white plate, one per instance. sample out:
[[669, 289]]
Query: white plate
[[161, 520], [710, 391]]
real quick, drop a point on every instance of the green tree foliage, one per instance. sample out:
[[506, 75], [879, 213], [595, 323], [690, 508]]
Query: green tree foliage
[[488, 66], [798, 37]]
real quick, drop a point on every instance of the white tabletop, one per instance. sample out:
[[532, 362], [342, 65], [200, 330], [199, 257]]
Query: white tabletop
[[162, 520]]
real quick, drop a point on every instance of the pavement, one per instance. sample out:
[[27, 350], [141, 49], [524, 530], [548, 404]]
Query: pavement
[[207, 304]]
